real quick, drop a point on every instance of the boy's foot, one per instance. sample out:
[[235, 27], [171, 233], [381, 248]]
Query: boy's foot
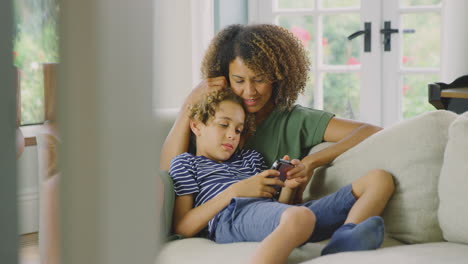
[[351, 237]]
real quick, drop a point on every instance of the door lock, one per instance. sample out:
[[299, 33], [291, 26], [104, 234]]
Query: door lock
[[367, 36], [388, 31]]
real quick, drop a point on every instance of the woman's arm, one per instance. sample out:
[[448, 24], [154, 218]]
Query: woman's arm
[[177, 141], [287, 195], [188, 221], [347, 134]]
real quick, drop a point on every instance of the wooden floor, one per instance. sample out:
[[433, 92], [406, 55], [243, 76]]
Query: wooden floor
[[29, 249]]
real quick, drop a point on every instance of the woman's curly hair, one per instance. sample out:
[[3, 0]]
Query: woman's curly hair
[[265, 49], [205, 109]]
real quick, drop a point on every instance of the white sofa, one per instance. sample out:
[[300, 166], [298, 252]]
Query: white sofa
[[426, 218]]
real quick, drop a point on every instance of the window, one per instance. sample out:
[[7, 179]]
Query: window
[[35, 44]]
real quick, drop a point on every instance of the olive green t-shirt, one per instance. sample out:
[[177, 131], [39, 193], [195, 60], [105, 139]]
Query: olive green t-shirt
[[291, 133]]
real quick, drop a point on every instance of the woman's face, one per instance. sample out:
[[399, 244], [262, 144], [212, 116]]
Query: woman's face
[[255, 89]]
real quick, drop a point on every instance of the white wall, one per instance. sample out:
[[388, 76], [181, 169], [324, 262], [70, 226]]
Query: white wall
[[202, 32], [185, 29], [173, 57], [28, 192]]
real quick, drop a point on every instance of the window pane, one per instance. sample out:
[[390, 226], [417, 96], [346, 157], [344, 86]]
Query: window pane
[[421, 48], [419, 2], [32, 94], [415, 93], [303, 28], [35, 42], [341, 94], [337, 49], [296, 4], [340, 3], [307, 99]]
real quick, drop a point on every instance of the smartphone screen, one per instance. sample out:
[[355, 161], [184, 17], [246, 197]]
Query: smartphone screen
[[282, 166]]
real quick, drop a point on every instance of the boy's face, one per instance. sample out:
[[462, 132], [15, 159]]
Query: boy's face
[[219, 137]]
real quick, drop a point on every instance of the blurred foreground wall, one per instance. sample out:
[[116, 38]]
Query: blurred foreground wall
[[108, 155]]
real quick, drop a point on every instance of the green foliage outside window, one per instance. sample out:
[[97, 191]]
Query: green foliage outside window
[[35, 42], [415, 94], [419, 2], [341, 94]]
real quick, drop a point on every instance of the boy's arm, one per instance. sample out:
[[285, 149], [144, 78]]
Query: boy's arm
[[188, 221]]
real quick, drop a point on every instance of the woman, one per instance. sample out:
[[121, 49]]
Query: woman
[[267, 66]]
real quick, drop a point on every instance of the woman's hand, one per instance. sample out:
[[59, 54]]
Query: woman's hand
[[205, 87], [297, 175], [260, 185]]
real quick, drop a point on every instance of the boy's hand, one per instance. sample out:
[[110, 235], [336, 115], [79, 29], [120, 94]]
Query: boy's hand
[[297, 175], [260, 185]]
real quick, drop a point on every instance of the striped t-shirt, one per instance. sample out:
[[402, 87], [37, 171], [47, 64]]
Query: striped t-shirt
[[205, 178]]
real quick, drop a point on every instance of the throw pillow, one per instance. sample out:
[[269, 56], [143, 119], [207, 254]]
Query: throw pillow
[[453, 183], [412, 151]]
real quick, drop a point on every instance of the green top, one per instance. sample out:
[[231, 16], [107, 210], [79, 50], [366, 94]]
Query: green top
[[291, 133]]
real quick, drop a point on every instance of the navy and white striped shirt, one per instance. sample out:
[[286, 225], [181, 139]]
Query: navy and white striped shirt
[[205, 178]]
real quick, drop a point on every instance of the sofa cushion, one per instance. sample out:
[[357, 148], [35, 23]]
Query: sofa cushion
[[412, 151], [205, 251], [453, 183], [428, 253]]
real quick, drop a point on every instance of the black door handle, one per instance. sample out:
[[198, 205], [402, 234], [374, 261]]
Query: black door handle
[[367, 36], [388, 31]]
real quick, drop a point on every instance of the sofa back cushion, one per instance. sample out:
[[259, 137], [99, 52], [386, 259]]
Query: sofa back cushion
[[453, 184], [412, 151]]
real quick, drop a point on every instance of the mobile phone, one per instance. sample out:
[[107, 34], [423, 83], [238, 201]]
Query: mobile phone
[[282, 166]]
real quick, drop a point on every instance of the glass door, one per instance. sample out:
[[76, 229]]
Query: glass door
[[368, 78], [414, 60]]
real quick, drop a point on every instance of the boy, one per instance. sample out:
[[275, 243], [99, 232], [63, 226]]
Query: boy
[[229, 192]]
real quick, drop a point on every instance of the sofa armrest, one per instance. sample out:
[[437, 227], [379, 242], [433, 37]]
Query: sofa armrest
[[168, 197]]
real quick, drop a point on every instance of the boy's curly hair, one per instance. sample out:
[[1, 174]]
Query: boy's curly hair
[[265, 49], [205, 109]]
